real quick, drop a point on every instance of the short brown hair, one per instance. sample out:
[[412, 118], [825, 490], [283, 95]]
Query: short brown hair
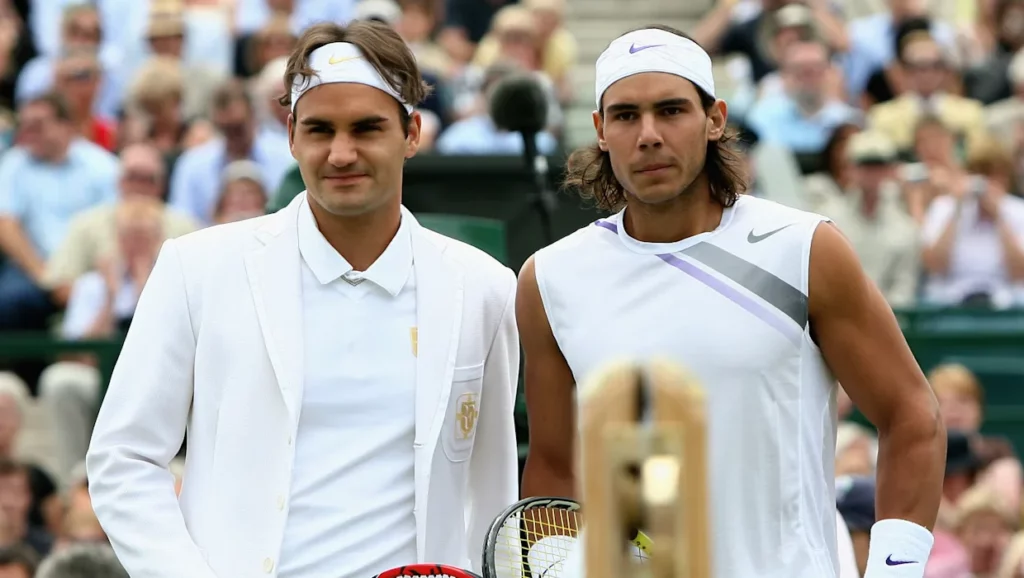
[[57, 103], [589, 169], [379, 43]]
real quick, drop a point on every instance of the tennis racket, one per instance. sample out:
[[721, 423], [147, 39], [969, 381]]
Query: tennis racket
[[427, 570], [533, 537]]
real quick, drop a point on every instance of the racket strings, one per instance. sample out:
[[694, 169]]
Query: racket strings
[[535, 543]]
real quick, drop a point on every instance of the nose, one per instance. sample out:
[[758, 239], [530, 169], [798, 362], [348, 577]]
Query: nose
[[343, 151], [650, 137]]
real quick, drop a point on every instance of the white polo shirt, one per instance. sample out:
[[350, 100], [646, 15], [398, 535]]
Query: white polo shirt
[[350, 513]]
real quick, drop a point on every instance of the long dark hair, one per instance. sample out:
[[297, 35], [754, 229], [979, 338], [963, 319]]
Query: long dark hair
[[589, 169]]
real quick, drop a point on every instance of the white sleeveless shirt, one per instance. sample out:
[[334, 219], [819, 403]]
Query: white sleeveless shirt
[[730, 305]]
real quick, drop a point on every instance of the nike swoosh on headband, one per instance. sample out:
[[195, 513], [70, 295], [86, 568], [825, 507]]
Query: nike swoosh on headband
[[633, 48], [890, 562], [334, 60]]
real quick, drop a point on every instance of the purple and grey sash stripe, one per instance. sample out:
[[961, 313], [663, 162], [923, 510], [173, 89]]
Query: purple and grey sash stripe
[[772, 290]]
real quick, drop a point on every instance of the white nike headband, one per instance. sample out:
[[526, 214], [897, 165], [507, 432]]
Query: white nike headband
[[653, 50], [341, 62]]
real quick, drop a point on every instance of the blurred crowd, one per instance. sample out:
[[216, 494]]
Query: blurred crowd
[[127, 122]]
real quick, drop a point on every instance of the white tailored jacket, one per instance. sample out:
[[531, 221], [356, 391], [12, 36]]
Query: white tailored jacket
[[215, 349]]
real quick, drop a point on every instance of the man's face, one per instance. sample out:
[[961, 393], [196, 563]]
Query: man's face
[[351, 156], [804, 72], [656, 133], [15, 498], [142, 173], [78, 80], [869, 177], [925, 66], [167, 45], [41, 132], [14, 571], [10, 421], [242, 199], [83, 31], [234, 121]]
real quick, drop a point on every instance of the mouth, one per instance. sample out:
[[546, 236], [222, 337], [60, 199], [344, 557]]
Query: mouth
[[345, 179], [653, 169]]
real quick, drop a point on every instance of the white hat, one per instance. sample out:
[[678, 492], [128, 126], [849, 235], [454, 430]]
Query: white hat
[[653, 50]]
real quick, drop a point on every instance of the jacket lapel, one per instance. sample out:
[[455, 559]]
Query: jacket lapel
[[439, 293], [275, 278]]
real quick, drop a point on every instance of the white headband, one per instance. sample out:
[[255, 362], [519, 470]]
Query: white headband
[[341, 62], [653, 50]]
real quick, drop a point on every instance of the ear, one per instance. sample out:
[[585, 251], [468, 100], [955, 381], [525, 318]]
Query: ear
[[718, 116], [412, 142], [599, 127], [291, 133]]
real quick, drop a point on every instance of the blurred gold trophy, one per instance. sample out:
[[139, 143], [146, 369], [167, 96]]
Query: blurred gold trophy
[[643, 444]]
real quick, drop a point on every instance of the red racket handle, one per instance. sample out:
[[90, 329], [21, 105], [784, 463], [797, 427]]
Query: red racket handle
[[427, 570]]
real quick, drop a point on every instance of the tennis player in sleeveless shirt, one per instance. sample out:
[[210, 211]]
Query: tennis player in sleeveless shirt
[[767, 305]]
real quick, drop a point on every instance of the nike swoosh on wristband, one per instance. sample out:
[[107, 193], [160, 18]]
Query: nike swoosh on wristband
[[890, 562], [754, 238], [633, 48]]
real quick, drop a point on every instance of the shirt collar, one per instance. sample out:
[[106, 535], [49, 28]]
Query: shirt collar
[[390, 271]]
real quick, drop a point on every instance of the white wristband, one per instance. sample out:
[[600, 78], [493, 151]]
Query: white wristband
[[898, 549]]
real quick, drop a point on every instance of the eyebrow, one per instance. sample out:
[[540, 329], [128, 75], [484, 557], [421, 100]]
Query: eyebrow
[[630, 107], [322, 122]]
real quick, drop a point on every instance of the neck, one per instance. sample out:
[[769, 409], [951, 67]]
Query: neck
[[360, 239], [869, 203], [687, 215]]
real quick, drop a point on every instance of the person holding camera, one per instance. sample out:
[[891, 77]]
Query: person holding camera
[[973, 236]]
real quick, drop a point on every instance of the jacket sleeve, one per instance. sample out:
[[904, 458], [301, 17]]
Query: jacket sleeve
[[140, 428], [494, 465]]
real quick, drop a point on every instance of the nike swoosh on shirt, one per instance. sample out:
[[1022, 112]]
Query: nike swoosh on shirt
[[755, 238]]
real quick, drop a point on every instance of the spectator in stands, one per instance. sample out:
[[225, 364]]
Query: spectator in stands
[[515, 40], [872, 213], [987, 80], [274, 40], [836, 173], [156, 99], [874, 46], [1004, 117], [243, 194], [1012, 565], [961, 399], [101, 305], [45, 510], [81, 30], [15, 506], [18, 561], [166, 35], [43, 184], [973, 237], [855, 500], [417, 22], [553, 45], [466, 23], [92, 560], [802, 116], [196, 178], [92, 234], [719, 34], [267, 89], [962, 468], [927, 76], [939, 170], [856, 450], [77, 77], [478, 135], [984, 524]]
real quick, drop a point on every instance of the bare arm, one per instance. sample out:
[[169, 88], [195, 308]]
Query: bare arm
[[19, 249], [550, 401], [711, 29], [865, 349], [935, 257]]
